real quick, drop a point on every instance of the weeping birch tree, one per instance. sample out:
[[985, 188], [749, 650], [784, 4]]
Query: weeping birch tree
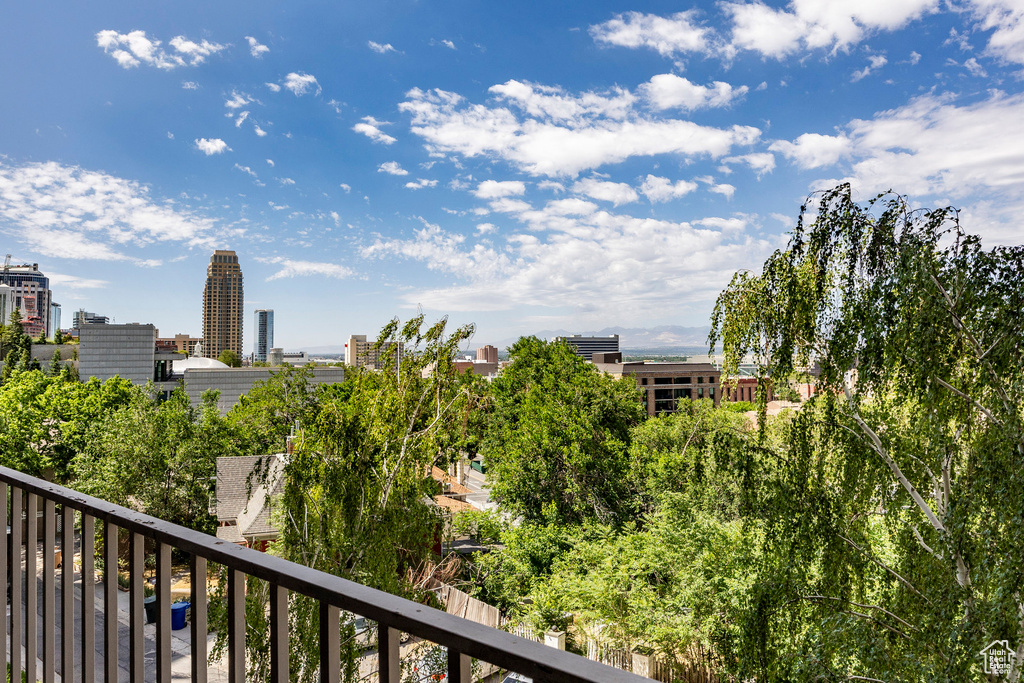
[[894, 510], [357, 492]]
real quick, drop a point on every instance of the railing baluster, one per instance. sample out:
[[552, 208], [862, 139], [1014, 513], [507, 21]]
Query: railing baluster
[[163, 612], [330, 643], [5, 521], [236, 626], [388, 640], [31, 585], [199, 623], [278, 634], [67, 592], [137, 617], [459, 667], [110, 558], [88, 598], [16, 594], [49, 591]]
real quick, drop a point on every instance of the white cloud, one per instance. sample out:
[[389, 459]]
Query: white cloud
[[486, 228], [346, 187], [134, 48], [170, 135], [974, 68], [212, 146], [594, 263], [448, 44], [875, 62], [274, 87], [420, 183], [658, 189], [668, 91], [606, 191], [286, 181], [759, 162], [259, 131], [301, 83], [678, 33], [270, 162], [933, 148], [552, 185], [1006, 17], [74, 282], [295, 268], [370, 128], [67, 212], [812, 150], [495, 189], [237, 100], [189, 85], [559, 134], [724, 189], [381, 49], [817, 24], [392, 168], [246, 169], [554, 104], [255, 49], [241, 119]]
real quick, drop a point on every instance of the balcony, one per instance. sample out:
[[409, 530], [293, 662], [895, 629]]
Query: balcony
[[40, 614]]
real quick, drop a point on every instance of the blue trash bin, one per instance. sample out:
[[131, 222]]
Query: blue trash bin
[[178, 610]]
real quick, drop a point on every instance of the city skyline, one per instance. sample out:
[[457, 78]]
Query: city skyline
[[524, 168]]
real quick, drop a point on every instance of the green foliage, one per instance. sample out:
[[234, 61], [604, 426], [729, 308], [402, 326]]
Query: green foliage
[[354, 500], [693, 453], [273, 408], [157, 457], [559, 434], [483, 525], [230, 358], [504, 577], [58, 337], [738, 406], [15, 347], [892, 503], [45, 421]]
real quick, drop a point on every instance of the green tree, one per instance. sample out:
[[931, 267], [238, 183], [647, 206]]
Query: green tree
[[55, 364], [230, 358], [44, 420], [357, 487], [892, 507], [158, 457], [274, 408], [558, 435], [13, 345], [58, 337]]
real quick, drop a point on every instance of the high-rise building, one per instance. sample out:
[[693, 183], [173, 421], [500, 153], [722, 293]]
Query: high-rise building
[[361, 353], [84, 317], [588, 346], [487, 354], [222, 305], [32, 296], [264, 334]]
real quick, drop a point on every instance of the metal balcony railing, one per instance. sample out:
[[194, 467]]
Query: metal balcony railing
[[28, 626]]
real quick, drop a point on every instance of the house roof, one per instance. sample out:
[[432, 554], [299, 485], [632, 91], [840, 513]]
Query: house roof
[[453, 487], [245, 498]]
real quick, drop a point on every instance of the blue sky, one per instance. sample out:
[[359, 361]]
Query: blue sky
[[523, 166]]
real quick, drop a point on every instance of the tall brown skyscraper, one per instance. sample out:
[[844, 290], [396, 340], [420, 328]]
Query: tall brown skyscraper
[[222, 305]]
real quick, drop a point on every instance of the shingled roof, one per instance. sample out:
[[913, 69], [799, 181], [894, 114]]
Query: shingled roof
[[243, 500]]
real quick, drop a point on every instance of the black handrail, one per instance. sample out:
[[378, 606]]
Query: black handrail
[[393, 613]]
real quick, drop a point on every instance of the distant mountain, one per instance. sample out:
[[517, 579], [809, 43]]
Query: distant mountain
[[667, 338]]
